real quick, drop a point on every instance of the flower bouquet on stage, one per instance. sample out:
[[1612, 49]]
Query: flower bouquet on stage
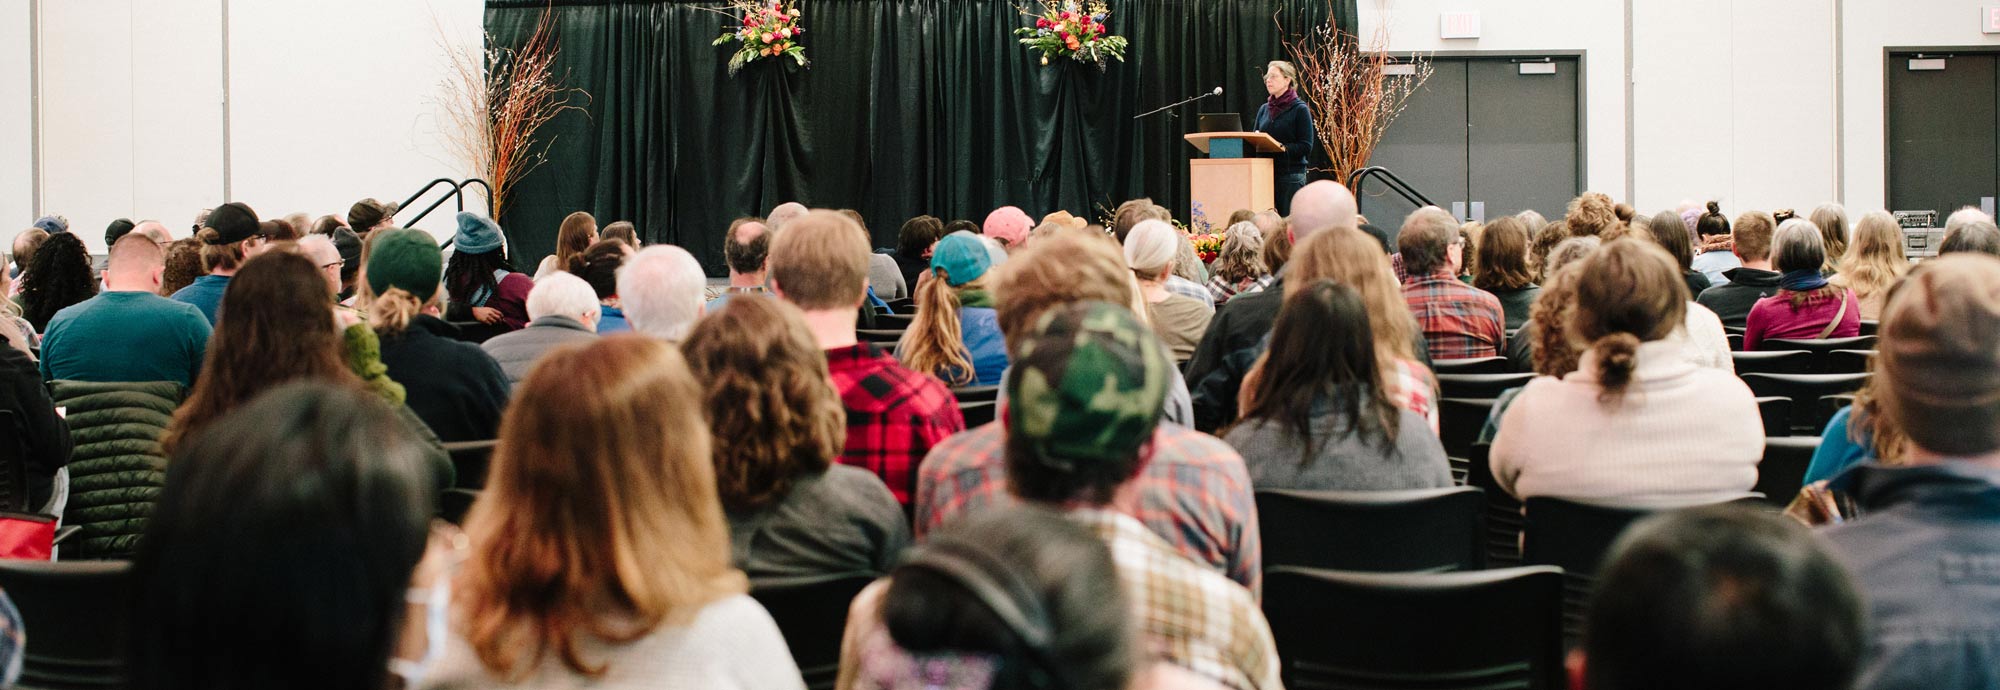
[[769, 30], [1070, 29]]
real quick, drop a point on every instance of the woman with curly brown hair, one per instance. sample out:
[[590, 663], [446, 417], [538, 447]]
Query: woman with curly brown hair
[[792, 511], [1590, 214], [59, 275]]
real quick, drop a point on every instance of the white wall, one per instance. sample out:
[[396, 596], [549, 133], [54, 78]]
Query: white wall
[[17, 184], [1871, 26]]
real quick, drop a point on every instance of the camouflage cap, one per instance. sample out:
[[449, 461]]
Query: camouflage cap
[[1089, 385]]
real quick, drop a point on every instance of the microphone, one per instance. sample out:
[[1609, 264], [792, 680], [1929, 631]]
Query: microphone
[[1216, 92]]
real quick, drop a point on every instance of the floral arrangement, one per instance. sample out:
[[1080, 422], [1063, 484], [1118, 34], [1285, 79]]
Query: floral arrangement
[[1207, 245], [1067, 28], [769, 30]]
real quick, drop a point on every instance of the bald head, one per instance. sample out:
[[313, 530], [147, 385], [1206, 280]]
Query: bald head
[[156, 230], [135, 264], [1322, 205], [784, 212]]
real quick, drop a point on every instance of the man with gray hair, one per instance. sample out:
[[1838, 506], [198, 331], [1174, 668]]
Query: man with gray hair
[[1459, 321], [325, 256], [1975, 234], [562, 309], [661, 291]]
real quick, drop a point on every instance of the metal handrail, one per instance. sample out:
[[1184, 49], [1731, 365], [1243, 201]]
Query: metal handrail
[[1389, 179], [457, 194]]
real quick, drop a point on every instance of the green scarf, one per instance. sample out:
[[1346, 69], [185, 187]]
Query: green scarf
[[975, 298]]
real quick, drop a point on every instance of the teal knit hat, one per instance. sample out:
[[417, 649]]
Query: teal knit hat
[[407, 259]]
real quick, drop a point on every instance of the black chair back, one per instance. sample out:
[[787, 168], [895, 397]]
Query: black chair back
[[1809, 412], [1776, 413], [1476, 365], [1783, 470], [896, 322], [1574, 536], [1773, 362], [1459, 423], [75, 615], [1374, 531], [1735, 341], [882, 338], [979, 413], [1503, 513], [903, 306], [1870, 326], [1819, 348], [1848, 361], [13, 466], [470, 461], [1490, 629], [1480, 385], [971, 394], [812, 614]]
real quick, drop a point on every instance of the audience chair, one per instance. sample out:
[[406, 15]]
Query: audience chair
[[1480, 385], [1776, 413], [1773, 362], [978, 413], [1734, 330], [454, 504], [1735, 341], [1476, 365], [1489, 629], [972, 394], [1849, 361], [812, 614], [903, 306], [475, 332], [1820, 348], [898, 322], [881, 338], [470, 461], [1435, 530], [1783, 469], [1503, 513], [1869, 326], [13, 466], [1809, 411], [75, 615], [1573, 535], [1459, 422]]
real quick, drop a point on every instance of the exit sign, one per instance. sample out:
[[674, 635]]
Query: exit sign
[[1458, 25], [1989, 19]]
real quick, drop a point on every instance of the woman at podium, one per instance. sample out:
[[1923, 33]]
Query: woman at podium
[[1287, 120]]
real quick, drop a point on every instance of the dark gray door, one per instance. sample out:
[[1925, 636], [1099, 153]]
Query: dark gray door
[[1522, 136], [1425, 146], [1943, 149]]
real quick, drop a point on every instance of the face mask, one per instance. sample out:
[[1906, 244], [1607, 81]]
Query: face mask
[[437, 609]]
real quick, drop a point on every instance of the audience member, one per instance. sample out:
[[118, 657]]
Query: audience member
[[1317, 412], [1193, 492], [1458, 321], [479, 283], [577, 232], [885, 276], [1714, 248], [1806, 306], [231, 232], [326, 256], [1753, 280], [1131, 213], [1007, 225], [1921, 546], [746, 249], [37, 431], [292, 547], [368, 215], [1188, 265], [327, 224], [15, 332], [273, 231], [1590, 214], [182, 259], [54, 225], [1672, 234], [1874, 261], [128, 333], [1617, 428], [1831, 220], [913, 248], [599, 551], [955, 335], [1239, 265], [23, 253], [1541, 346], [456, 388], [1178, 320], [1083, 414], [155, 230], [1979, 235], [118, 228], [894, 415], [659, 289], [621, 231], [599, 267], [1503, 270], [1470, 234], [350, 246], [784, 213], [793, 512], [1722, 597], [1014, 598], [563, 311], [58, 276]]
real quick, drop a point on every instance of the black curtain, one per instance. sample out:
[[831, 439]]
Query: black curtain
[[909, 107]]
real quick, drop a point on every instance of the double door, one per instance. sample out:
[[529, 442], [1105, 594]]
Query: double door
[[1943, 130]]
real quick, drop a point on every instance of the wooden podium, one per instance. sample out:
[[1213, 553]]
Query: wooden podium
[[1226, 180]]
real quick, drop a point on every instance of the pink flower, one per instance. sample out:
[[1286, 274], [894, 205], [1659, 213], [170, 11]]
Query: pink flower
[[769, 38], [798, 30]]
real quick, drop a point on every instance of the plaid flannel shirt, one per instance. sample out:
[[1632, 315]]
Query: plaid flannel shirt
[[1222, 290], [1195, 494], [1190, 616], [1183, 286], [894, 415], [1459, 321]]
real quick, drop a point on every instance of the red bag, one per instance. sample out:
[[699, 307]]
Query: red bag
[[27, 536]]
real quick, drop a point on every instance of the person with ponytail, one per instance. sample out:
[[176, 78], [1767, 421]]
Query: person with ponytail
[[1806, 306], [956, 335], [455, 387], [1179, 320], [1618, 428], [1286, 118], [1714, 246], [228, 236], [578, 232]]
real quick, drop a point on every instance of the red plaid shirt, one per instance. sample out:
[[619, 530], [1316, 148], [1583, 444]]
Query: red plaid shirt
[[894, 415], [1459, 321], [1195, 494]]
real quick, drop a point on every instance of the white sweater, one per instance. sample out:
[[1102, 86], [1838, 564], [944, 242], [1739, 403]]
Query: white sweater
[[1707, 342], [1682, 435]]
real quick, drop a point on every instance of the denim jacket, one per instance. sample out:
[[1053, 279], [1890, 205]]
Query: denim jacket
[[1926, 555]]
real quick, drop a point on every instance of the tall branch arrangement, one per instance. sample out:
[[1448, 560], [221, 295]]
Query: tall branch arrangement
[[495, 100], [1342, 81]]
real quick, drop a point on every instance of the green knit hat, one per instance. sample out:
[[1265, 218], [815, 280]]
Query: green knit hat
[[407, 259], [1089, 385]]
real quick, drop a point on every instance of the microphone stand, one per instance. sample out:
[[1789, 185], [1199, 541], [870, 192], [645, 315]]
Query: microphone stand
[[1171, 106]]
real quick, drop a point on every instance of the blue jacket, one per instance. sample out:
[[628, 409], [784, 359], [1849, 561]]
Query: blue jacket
[[1837, 448], [1923, 553], [1294, 129]]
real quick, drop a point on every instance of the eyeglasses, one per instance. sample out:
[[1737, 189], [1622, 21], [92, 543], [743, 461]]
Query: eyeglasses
[[337, 264]]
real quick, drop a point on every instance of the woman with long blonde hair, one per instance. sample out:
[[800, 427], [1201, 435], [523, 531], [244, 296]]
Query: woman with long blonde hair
[[1352, 258], [1873, 262], [599, 551], [956, 335], [578, 232]]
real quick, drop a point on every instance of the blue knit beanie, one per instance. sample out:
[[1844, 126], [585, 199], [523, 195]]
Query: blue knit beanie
[[477, 234]]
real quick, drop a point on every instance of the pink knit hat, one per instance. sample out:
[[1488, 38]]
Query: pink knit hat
[[1007, 224]]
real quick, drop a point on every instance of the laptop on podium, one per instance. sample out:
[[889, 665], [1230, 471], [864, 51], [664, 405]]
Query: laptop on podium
[[1220, 122]]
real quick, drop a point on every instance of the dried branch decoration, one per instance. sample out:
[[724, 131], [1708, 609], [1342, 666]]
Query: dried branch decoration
[[495, 100], [1352, 99]]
